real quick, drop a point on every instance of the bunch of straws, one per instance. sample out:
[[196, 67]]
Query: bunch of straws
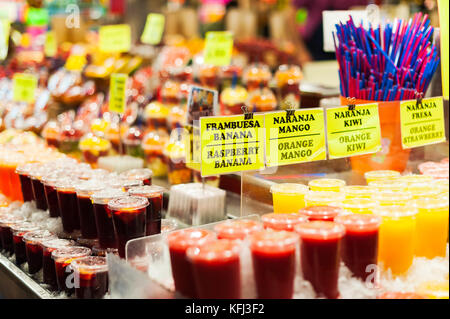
[[393, 64]]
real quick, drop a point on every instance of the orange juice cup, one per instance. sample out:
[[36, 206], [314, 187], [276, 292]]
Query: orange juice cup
[[288, 197]]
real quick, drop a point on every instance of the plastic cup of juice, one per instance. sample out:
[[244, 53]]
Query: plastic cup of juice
[[18, 230], [49, 182], [388, 185], [92, 273], [129, 219], [273, 256], [68, 204], [283, 221], [288, 197], [397, 237], [237, 229], [324, 199], [216, 269], [179, 241], [38, 187], [326, 185], [63, 257], [357, 191], [422, 190], [431, 226], [324, 213], [415, 178], [380, 175], [359, 205], [360, 243], [388, 198], [6, 222], [33, 248], [84, 191], [25, 182], [48, 264], [320, 251]]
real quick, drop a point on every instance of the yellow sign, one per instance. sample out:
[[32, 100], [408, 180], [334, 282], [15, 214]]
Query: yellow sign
[[443, 8], [50, 47], [24, 87], [353, 132], [218, 48], [115, 38], [422, 124], [295, 138], [154, 28], [117, 92], [231, 144], [4, 38]]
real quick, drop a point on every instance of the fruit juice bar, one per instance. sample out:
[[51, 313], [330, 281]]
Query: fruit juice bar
[[273, 255], [288, 79], [48, 264], [324, 213], [154, 195], [288, 197], [380, 175], [68, 204], [179, 241], [139, 174], [38, 187], [63, 257], [84, 191], [6, 222], [49, 181], [129, 219], [359, 205], [431, 226], [237, 229], [360, 243], [216, 269], [103, 217], [33, 248], [283, 221], [18, 230], [396, 237], [326, 185], [92, 275], [196, 204], [324, 198], [320, 251], [25, 181]]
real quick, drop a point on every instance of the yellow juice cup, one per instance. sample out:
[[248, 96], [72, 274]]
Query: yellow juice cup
[[326, 185], [390, 185], [396, 237], [422, 190], [359, 205], [416, 178], [288, 197], [434, 289], [380, 175], [432, 226], [313, 198], [388, 198], [357, 191]]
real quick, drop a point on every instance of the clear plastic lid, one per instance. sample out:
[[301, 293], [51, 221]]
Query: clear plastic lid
[[147, 191], [70, 252], [124, 183], [431, 203], [128, 203], [381, 174], [320, 230], [321, 212], [358, 203], [56, 243], [418, 190], [289, 188], [39, 172], [393, 185], [416, 178], [24, 227], [220, 250], [38, 236], [237, 229], [168, 225], [91, 264], [320, 198], [392, 198], [51, 178], [25, 169], [357, 191], [9, 220], [395, 211], [105, 195], [326, 183], [66, 184], [141, 174], [87, 188], [270, 241], [182, 239], [283, 221], [359, 222]]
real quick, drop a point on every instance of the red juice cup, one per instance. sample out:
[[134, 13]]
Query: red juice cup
[[92, 275], [141, 174], [18, 230], [216, 269], [237, 229], [85, 207], [6, 222], [281, 221], [320, 251], [49, 182], [48, 264], [273, 256], [129, 219], [68, 204], [125, 184], [154, 194], [103, 217], [38, 187], [25, 181], [63, 257], [179, 241], [33, 248], [323, 213]]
